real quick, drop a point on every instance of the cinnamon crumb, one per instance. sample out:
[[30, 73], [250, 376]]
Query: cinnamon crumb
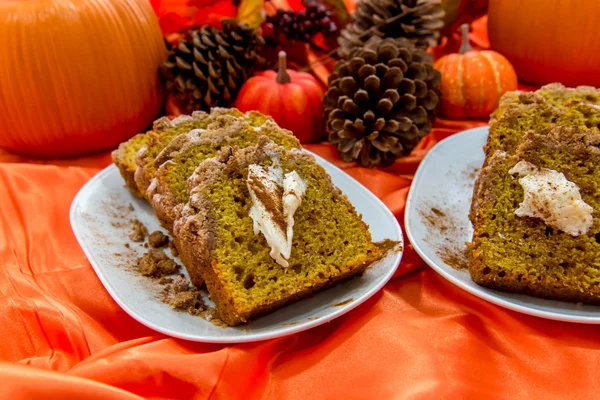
[[455, 258], [156, 263], [138, 231], [180, 284], [157, 239], [164, 280], [445, 231], [438, 212], [190, 300], [387, 245]]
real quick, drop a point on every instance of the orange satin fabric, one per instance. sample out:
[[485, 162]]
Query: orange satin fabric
[[63, 337]]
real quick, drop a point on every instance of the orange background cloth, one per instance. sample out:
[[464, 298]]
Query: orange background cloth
[[62, 335]]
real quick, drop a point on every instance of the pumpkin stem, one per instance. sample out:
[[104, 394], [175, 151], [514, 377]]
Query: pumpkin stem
[[465, 45], [282, 74]]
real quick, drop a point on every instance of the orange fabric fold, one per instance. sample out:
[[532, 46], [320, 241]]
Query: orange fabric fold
[[420, 337]]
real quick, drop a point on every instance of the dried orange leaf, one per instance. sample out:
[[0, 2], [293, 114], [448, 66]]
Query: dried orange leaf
[[251, 12]]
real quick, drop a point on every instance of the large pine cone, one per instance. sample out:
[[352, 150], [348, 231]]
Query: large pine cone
[[381, 101], [419, 21], [208, 66]]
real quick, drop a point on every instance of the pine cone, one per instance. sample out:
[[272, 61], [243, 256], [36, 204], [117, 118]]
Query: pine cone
[[381, 101], [208, 66], [419, 21]]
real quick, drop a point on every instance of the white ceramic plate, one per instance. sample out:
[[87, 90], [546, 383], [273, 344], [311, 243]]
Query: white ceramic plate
[[100, 216], [444, 183]]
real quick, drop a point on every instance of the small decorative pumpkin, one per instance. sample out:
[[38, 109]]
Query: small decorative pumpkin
[[292, 98], [77, 76], [473, 81], [548, 40]]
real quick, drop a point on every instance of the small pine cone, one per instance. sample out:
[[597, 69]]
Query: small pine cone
[[208, 66], [381, 101], [418, 21]]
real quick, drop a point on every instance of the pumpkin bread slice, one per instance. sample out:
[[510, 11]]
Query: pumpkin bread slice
[[168, 191], [149, 158], [330, 243], [523, 254], [124, 158], [520, 112], [163, 131]]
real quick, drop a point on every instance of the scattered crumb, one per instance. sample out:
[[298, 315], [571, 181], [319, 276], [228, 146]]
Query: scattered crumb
[[445, 232], [180, 284], [157, 239], [471, 173], [164, 280], [437, 212], [580, 304], [183, 296], [190, 300], [212, 316], [174, 290], [456, 258], [388, 245], [433, 216], [138, 231], [167, 266], [174, 251], [156, 263]]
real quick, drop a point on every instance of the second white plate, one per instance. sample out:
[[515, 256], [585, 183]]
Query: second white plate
[[437, 224]]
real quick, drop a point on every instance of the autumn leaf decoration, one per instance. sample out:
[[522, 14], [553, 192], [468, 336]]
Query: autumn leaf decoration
[[251, 12]]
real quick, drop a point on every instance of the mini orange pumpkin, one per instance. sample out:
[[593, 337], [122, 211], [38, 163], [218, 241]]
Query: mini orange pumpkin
[[473, 81], [77, 76], [292, 98]]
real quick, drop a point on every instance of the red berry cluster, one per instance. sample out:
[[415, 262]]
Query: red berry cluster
[[301, 25]]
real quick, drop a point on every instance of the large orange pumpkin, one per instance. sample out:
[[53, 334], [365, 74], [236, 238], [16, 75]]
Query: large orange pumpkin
[[292, 98], [548, 40], [77, 76], [473, 81]]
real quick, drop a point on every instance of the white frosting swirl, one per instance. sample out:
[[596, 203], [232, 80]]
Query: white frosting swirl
[[552, 198], [275, 219]]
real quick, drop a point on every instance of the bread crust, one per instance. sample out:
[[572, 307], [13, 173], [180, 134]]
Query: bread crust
[[127, 171], [196, 230], [573, 140], [143, 176], [166, 206]]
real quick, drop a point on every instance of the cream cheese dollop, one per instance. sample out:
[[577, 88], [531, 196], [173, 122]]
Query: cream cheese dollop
[[275, 199], [552, 198]]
